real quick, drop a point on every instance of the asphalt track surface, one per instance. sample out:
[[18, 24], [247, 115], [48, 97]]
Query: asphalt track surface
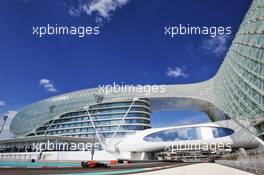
[[117, 169]]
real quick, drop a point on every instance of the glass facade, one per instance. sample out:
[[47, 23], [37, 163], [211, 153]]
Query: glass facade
[[222, 132], [260, 129], [106, 117], [182, 134], [239, 84]]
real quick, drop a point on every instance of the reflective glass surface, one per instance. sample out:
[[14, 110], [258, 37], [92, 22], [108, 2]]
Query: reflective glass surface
[[181, 134]]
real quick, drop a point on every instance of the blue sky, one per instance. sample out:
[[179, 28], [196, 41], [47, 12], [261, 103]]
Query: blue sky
[[131, 47]]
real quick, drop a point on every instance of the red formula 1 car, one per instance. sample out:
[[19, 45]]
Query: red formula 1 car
[[93, 164]]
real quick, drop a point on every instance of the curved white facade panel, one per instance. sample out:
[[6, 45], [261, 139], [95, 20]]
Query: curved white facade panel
[[158, 139], [236, 91]]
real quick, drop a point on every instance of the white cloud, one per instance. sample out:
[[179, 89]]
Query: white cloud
[[6, 132], [216, 45], [2, 103], [75, 12], [102, 8], [176, 72], [47, 85]]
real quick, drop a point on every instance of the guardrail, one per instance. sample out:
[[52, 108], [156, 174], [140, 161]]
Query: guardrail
[[19, 156]]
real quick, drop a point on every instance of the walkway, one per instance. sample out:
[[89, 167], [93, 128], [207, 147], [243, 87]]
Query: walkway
[[199, 169]]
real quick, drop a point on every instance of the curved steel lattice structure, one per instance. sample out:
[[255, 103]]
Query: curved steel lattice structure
[[236, 91]]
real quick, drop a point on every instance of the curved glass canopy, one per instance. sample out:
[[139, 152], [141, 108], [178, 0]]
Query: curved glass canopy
[[190, 133]]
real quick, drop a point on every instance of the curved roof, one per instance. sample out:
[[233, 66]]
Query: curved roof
[[37, 114]]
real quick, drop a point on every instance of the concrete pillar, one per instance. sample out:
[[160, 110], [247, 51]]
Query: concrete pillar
[[242, 153], [143, 155]]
